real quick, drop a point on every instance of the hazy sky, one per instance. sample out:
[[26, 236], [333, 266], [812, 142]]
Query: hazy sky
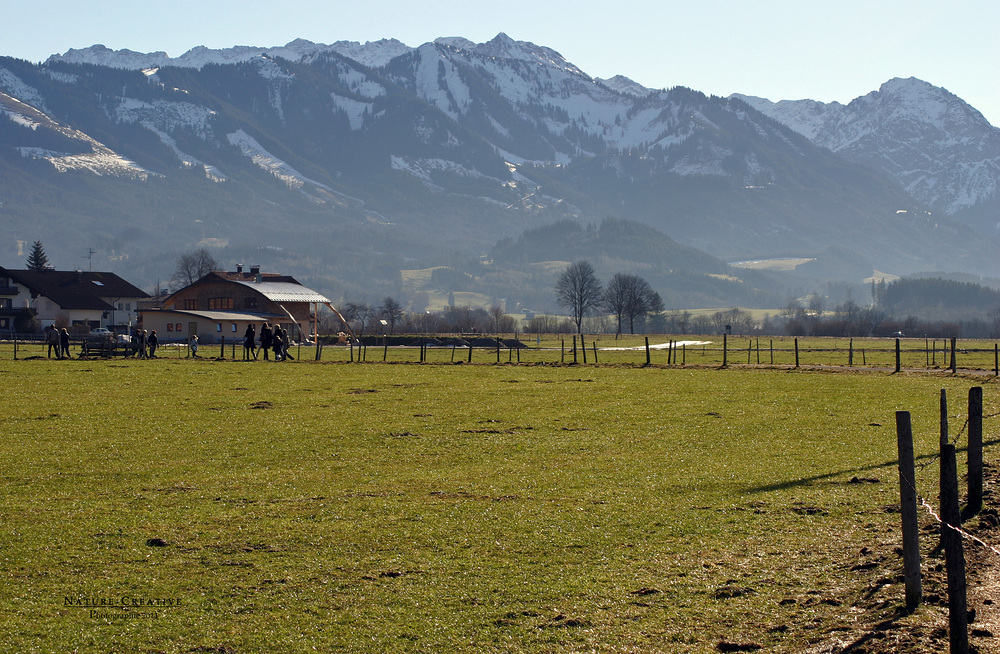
[[778, 49]]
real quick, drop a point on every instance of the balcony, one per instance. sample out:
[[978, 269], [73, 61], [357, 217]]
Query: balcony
[[9, 290]]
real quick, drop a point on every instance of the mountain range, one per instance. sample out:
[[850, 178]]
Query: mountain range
[[351, 166]]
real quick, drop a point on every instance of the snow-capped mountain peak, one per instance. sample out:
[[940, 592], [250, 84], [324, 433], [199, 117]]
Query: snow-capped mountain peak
[[626, 85], [955, 167]]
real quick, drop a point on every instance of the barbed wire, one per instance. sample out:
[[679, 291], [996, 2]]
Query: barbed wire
[[948, 525]]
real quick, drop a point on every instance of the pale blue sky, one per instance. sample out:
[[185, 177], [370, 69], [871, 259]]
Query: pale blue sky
[[778, 49]]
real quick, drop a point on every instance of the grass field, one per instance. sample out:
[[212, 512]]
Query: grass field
[[447, 508]]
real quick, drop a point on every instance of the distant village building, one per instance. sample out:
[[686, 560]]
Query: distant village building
[[222, 304], [78, 300]]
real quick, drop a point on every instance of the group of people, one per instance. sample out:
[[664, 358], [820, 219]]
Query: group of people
[[58, 340], [272, 339], [144, 344]]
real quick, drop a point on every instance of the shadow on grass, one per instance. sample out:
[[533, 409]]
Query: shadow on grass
[[805, 481]]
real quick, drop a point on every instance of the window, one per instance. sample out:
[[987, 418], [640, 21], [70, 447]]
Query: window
[[177, 327], [251, 303], [220, 303], [191, 305], [4, 323], [218, 326], [170, 326], [234, 328], [4, 302]]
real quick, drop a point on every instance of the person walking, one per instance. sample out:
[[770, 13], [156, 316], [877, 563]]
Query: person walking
[[249, 340], [265, 339], [142, 344], [286, 342], [276, 342], [193, 344], [64, 343], [151, 343], [52, 340]]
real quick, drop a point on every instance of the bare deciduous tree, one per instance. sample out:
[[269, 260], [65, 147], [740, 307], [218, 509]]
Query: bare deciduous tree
[[629, 296], [192, 267], [392, 312], [578, 290]]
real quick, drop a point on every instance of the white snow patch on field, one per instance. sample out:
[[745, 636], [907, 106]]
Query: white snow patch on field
[[658, 346]]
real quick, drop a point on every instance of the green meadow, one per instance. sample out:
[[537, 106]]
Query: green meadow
[[331, 506]]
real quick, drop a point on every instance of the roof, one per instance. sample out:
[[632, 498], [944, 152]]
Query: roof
[[219, 316], [286, 291], [273, 286], [77, 289]]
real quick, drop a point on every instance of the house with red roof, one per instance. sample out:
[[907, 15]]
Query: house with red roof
[[223, 303]]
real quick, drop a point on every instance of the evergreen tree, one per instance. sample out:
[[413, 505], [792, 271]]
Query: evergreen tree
[[36, 258]]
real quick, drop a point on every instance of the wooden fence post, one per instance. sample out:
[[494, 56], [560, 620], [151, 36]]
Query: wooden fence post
[[974, 502], [958, 610], [908, 506], [954, 363], [583, 348], [725, 348], [574, 349], [850, 354], [222, 354], [796, 353], [470, 352], [562, 351], [647, 350], [595, 353], [897, 355], [996, 360]]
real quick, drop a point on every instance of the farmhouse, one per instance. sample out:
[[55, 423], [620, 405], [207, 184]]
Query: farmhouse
[[84, 300], [222, 304]]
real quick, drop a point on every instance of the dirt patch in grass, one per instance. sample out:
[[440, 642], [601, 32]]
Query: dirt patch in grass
[[884, 627]]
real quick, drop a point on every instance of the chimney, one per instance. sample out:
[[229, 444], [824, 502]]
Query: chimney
[[254, 270], [239, 268]]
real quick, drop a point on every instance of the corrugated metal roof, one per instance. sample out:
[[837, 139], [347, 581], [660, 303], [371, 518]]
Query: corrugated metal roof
[[285, 292], [220, 316]]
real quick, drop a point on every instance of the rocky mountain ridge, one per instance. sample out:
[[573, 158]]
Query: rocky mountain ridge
[[942, 151], [389, 156]]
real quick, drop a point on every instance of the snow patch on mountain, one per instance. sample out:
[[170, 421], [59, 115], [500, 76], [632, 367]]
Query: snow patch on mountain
[[166, 116], [373, 54], [263, 159], [16, 87], [625, 85], [354, 109], [211, 172], [101, 161], [59, 76], [361, 84]]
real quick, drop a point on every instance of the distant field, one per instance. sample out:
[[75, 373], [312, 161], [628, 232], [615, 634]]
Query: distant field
[[449, 508], [771, 264]]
